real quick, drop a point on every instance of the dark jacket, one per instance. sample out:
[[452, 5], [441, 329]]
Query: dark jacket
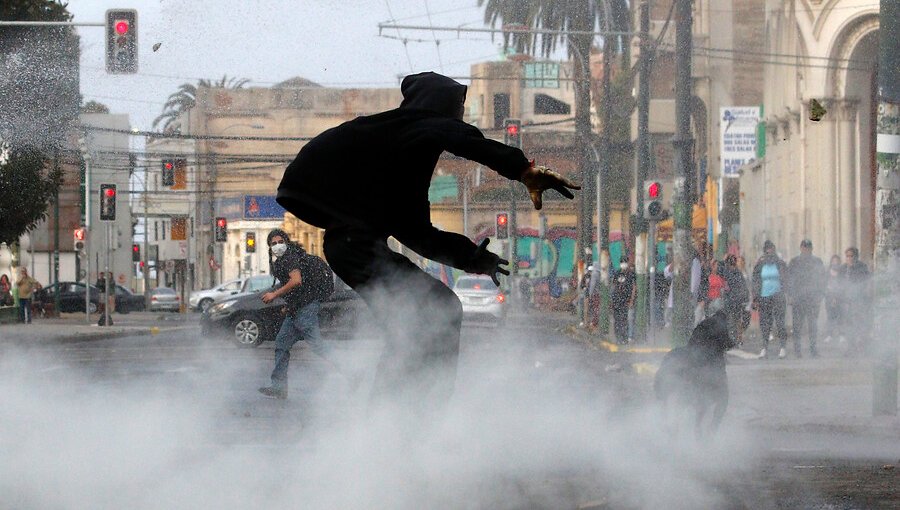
[[855, 282], [737, 294], [782, 274], [807, 277], [374, 172]]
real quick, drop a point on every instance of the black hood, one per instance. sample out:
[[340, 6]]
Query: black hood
[[277, 232], [434, 92]]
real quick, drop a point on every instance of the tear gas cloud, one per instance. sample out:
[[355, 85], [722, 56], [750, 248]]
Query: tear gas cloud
[[533, 425]]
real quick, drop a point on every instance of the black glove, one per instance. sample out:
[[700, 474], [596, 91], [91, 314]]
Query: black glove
[[485, 262]]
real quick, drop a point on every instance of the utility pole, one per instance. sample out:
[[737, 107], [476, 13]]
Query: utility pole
[[684, 173], [603, 192], [645, 277], [887, 214], [56, 236], [145, 254], [87, 228]]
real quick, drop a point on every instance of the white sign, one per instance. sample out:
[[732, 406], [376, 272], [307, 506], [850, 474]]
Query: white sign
[[738, 137]]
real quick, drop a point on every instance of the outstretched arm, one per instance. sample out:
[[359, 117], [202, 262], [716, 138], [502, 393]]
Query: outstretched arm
[[453, 249]]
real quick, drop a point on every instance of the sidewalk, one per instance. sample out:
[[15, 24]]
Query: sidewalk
[[72, 327], [825, 397]]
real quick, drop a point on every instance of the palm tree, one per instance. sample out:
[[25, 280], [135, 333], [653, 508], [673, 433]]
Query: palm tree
[[565, 15], [582, 16], [186, 97]]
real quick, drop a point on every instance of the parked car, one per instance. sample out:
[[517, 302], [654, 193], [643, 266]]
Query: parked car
[[127, 301], [71, 296], [202, 299], [481, 298], [164, 299], [250, 322]]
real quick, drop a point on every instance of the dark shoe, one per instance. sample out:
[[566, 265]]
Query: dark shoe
[[272, 392]]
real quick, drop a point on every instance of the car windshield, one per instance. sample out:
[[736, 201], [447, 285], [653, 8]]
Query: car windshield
[[475, 284], [259, 282]]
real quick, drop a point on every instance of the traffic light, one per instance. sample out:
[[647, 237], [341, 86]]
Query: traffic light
[[502, 226], [108, 202], [221, 230], [250, 242], [512, 132], [121, 41], [168, 172], [653, 207], [78, 236], [135, 252]]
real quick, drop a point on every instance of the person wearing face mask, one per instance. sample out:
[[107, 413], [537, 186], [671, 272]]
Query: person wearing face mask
[[367, 180], [834, 301], [622, 299], [305, 281]]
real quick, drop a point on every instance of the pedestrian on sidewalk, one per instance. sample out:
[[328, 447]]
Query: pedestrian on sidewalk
[[26, 286], [769, 284], [834, 301], [857, 293], [304, 282], [736, 299], [622, 300], [6, 298], [807, 274], [717, 289], [366, 180]]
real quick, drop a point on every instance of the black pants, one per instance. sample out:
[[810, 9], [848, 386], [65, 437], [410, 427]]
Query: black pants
[[420, 316], [805, 312], [620, 322], [772, 309]]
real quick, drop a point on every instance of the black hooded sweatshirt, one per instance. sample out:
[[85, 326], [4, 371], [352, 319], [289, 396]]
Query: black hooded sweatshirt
[[373, 172]]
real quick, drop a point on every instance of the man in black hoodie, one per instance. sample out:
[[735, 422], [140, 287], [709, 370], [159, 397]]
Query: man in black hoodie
[[367, 180]]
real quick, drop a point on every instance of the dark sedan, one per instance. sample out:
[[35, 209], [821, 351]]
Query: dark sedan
[[71, 296], [127, 301], [250, 322]]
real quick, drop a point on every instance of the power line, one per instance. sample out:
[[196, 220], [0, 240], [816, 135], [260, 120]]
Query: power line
[[387, 3]]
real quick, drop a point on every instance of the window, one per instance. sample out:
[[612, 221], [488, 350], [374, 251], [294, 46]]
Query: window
[[546, 105], [156, 231]]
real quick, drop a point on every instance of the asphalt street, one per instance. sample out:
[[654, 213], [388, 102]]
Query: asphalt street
[[174, 420]]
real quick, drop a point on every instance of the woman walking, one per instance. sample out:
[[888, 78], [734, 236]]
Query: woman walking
[[834, 304], [769, 285]]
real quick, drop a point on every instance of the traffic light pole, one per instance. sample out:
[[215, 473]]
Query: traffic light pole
[[645, 273], [682, 142], [106, 275], [87, 233], [887, 215]]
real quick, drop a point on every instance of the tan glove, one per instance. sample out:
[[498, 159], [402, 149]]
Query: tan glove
[[540, 178]]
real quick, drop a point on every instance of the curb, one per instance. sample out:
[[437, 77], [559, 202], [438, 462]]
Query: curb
[[103, 335], [611, 347]]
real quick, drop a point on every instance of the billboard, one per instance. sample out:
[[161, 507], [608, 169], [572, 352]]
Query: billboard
[[262, 207], [737, 128]]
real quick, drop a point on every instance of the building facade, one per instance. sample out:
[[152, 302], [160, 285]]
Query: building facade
[[817, 179]]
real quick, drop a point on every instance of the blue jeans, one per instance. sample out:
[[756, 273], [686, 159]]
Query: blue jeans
[[25, 310], [304, 325]]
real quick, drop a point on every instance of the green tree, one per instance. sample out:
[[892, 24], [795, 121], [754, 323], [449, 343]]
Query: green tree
[[29, 184], [94, 107], [39, 77], [185, 98]]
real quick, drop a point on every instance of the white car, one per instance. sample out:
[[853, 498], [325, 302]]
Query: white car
[[480, 298], [203, 299]]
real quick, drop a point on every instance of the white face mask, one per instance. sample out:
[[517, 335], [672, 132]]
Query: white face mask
[[279, 249], [623, 266]]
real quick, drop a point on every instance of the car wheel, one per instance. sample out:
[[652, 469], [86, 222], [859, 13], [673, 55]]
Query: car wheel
[[247, 331], [92, 307], [205, 304]]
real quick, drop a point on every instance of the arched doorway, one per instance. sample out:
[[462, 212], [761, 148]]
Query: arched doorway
[[855, 83]]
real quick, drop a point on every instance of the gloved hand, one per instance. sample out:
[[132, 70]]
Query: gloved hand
[[485, 262], [540, 178]]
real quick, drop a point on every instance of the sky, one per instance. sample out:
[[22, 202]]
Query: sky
[[331, 42]]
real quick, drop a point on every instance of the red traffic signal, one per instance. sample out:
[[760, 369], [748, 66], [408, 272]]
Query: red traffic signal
[[653, 190], [78, 234], [121, 41], [108, 202], [121, 27], [221, 222], [502, 226], [221, 234], [110, 192], [512, 130]]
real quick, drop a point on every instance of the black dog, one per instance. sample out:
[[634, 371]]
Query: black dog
[[693, 376]]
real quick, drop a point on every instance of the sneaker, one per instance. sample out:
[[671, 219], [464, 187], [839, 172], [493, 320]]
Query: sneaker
[[272, 392], [782, 353], [763, 354]]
